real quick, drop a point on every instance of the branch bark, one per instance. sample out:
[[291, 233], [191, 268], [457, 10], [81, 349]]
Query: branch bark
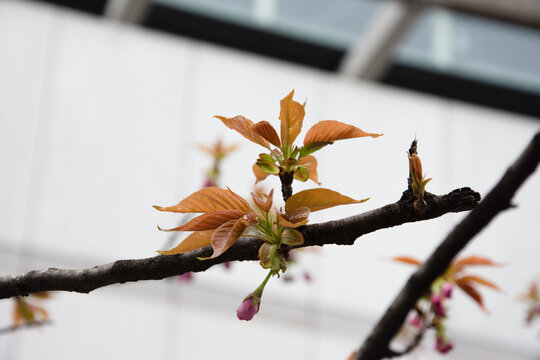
[[341, 232], [377, 345]]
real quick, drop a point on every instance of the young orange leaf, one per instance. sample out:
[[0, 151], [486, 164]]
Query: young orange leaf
[[471, 291], [472, 260], [208, 221], [479, 280], [225, 236], [298, 217], [407, 260], [267, 131], [318, 199], [291, 115], [244, 127], [209, 199], [24, 311], [259, 173], [331, 130], [194, 241], [415, 166], [310, 162], [263, 201]]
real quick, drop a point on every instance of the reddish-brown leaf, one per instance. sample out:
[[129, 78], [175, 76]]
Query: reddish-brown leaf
[[415, 166], [267, 131], [479, 280], [471, 291], [318, 199], [470, 261], [225, 236], [209, 199], [208, 221], [244, 127], [407, 260], [331, 130], [263, 201], [310, 162], [194, 241], [291, 115]]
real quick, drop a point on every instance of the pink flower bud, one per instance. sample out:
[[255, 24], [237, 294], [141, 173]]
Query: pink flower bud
[[435, 299], [443, 346], [436, 304], [209, 182], [416, 321], [248, 309], [447, 290], [186, 277]]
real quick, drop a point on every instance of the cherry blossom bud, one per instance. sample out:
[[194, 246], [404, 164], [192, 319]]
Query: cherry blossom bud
[[186, 277], [416, 321], [436, 304], [248, 308], [209, 182], [447, 290], [443, 346]]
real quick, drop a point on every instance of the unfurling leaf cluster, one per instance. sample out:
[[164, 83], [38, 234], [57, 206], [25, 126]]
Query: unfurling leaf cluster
[[283, 156], [226, 216]]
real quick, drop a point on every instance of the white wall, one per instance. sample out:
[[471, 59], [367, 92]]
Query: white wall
[[99, 121]]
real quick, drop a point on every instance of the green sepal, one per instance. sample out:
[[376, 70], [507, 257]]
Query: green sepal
[[282, 262], [312, 147], [292, 237], [265, 255], [288, 165], [276, 263], [266, 163], [301, 173]]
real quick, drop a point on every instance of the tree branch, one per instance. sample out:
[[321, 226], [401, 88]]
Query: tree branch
[[377, 345], [342, 232]]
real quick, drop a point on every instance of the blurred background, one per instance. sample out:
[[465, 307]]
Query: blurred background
[[103, 104]]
